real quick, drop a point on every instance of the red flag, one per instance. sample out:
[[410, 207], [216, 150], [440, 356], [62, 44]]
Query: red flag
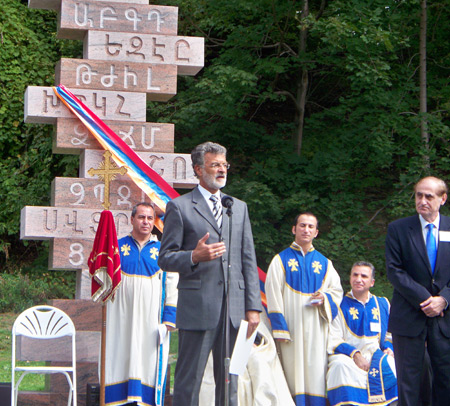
[[104, 261]]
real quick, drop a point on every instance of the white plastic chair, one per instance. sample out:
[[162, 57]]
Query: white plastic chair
[[46, 323]]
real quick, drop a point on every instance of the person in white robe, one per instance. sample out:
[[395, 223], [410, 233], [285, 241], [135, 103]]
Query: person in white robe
[[361, 369], [263, 382], [303, 293], [145, 302]]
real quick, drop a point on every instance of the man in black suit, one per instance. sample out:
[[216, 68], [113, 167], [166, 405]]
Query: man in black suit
[[196, 244], [418, 266]]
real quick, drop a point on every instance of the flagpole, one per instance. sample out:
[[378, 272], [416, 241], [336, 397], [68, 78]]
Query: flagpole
[[227, 202], [105, 271], [102, 357]]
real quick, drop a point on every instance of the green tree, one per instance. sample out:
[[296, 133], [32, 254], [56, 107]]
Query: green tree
[[29, 51], [341, 76], [361, 144]]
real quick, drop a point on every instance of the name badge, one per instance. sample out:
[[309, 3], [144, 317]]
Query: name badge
[[444, 236], [375, 327]]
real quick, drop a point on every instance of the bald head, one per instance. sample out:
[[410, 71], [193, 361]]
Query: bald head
[[430, 195], [441, 186]]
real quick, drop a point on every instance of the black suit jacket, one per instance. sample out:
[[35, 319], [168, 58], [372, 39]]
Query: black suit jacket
[[409, 271]]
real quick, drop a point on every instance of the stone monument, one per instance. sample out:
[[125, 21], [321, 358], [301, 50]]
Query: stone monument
[[131, 54]]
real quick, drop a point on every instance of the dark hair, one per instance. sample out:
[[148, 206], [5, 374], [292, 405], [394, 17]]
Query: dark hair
[[146, 204], [365, 263], [307, 213], [198, 153]]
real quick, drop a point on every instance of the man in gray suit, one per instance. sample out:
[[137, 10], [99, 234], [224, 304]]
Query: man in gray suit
[[196, 244]]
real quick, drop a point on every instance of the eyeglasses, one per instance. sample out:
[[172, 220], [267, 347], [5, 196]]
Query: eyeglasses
[[217, 165]]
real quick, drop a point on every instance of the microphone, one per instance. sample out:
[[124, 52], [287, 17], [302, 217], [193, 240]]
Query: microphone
[[227, 201]]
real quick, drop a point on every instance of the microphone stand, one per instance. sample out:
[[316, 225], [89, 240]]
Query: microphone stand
[[227, 309]]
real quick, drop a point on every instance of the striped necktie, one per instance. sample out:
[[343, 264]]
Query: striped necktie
[[431, 246], [216, 212]]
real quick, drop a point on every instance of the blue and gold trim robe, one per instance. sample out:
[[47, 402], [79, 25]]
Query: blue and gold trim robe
[[291, 281], [361, 327], [146, 298]]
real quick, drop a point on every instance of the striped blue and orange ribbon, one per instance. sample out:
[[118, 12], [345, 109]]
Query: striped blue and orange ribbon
[[262, 282], [156, 188]]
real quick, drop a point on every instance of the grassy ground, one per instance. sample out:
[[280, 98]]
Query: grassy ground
[[6, 322], [173, 352], [31, 382]]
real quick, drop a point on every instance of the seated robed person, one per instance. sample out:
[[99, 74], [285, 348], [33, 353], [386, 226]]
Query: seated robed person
[[361, 366]]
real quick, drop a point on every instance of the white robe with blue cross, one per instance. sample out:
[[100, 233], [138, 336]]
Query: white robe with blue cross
[[146, 298], [361, 327], [291, 281]]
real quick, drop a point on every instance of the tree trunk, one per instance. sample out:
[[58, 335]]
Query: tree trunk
[[423, 82], [302, 83]]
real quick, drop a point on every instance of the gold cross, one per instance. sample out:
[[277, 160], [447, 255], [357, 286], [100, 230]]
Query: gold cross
[[126, 250], [375, 314], [293, 264], [154, 252], [354, 312], [107, 171], [317, 266]]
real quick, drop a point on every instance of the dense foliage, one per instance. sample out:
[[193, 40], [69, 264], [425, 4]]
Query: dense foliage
[[361, 147], [20, 291]]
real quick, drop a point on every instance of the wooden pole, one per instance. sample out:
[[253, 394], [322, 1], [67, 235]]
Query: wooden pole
[[102, 357]]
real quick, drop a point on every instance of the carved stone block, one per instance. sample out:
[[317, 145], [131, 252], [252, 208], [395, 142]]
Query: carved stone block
[[84, 282], [45, 4], [125, 1], [69, 253], [185, 52], [42, 105], [56, 4], [87, 348], [87, 372], [43, 223], [89, 194], [158, 81], [29, 398], [72, 136], [77, 17], [85, 314], [173, 168]]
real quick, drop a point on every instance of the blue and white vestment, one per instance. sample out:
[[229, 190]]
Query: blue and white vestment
[[361, 327], [146, 298], [292, 279]]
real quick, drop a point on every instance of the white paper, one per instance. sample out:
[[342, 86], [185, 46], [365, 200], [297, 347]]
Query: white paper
[[162, 329], [312, 301], [444, 236], [241, 350]]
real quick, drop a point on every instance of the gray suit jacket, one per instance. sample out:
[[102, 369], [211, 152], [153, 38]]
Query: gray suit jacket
[[200, 288]]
